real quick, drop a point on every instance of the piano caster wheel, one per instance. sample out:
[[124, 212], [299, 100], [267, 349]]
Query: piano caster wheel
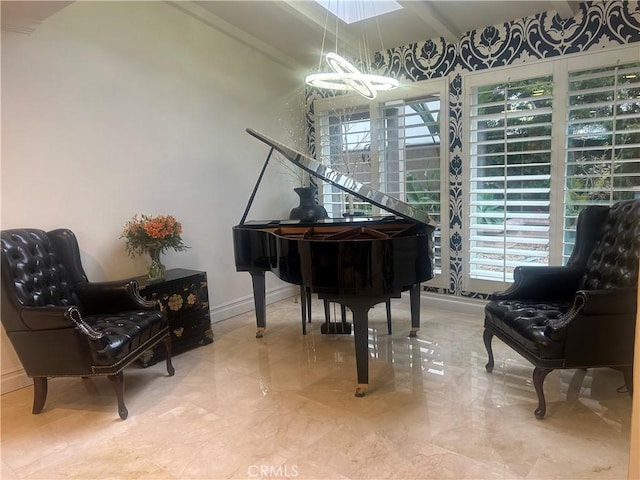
[[413, 332], [361, 389], [260, 332]]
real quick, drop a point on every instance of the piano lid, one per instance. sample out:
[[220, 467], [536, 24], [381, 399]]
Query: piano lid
[[346, 183]]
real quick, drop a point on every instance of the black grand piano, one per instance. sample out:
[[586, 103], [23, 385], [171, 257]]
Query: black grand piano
[[356, 262]]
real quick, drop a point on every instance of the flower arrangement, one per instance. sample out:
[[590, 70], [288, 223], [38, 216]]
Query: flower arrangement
[[146, 234]]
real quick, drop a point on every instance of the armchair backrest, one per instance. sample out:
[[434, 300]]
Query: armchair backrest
[[588, 228], [34, 274], [613, 262]]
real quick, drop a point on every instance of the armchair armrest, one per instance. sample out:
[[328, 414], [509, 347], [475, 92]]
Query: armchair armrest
[[57, 318], [542, 283], [600, 328], [111, 297], [594, 304], [45, 318], [614, 301]]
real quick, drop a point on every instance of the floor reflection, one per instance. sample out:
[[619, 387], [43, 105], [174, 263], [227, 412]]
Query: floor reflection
[[243, 405]]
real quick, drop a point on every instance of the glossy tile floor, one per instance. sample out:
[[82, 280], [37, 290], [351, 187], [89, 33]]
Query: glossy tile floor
[[283, 407]]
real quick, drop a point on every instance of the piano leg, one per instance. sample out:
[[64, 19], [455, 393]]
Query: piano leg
[[327, 311], [360, 307], [259, 299], [414, 299], [305, 305], [309, 298], [361, 334], [388, 307]]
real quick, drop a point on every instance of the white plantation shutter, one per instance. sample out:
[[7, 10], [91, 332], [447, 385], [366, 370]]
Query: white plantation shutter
[[545, 141], [409, 143], [603, 141], [345, 145], [510, 176]]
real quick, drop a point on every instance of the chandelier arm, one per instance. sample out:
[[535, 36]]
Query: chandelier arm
[[380, 34], [365, 54], [324, 36], [337, 27]]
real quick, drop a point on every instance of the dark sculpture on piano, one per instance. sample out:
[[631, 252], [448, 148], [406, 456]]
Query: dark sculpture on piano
[[357, 263]]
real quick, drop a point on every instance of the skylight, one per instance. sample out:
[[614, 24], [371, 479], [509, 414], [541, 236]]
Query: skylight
[[351, 11]]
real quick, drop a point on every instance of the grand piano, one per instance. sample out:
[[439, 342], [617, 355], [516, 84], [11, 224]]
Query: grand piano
[[356, 262]]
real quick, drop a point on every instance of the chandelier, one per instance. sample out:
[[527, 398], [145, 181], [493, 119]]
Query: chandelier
[[345, 75]]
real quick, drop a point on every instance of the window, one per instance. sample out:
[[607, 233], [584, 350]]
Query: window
[[345, 145], [544, 141], [392, 144], [510, 176], [603, 141]]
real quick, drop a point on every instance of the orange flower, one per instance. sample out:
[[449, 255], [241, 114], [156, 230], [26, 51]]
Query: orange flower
[[147, 233]]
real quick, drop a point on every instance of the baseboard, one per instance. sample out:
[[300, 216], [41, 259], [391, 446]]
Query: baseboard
[[14, 380], [453, 303], [245, 304]]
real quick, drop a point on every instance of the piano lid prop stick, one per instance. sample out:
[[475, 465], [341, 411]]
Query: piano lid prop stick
[[255, 189]]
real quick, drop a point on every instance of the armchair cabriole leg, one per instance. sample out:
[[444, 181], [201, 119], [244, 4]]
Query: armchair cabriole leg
[[117, 381], [628, 379], [487, 337], [539, 374], [167, 349], [573, 392], [39, 394]]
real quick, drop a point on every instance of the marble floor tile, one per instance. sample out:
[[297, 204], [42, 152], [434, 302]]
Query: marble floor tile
[[283, 406]]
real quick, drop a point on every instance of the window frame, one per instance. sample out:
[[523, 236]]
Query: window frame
[[560, 69], [439, 86]]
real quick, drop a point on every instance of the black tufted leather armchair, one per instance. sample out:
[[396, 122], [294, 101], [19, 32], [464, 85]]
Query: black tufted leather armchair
[[581, 315], [60, 324]]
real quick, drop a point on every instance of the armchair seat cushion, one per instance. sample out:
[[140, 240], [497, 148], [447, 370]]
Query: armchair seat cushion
[[122, 333], [526, 322]]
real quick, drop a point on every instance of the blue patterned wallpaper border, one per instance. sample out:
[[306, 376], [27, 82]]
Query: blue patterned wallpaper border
[[598, 25]]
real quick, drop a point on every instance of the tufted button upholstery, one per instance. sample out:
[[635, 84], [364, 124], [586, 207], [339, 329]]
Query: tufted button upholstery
[[60, 324], [528, 322], [614, 260], [38, 276], [122, 333]]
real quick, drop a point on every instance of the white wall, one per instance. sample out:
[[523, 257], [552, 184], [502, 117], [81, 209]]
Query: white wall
[[116, 108]]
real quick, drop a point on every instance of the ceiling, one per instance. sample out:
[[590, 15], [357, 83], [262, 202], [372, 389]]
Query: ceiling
[[292, 31], [26, 16]]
